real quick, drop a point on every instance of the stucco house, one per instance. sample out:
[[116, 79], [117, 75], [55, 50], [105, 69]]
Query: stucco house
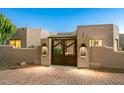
[[100, 35], [28, 37], [89, 46]]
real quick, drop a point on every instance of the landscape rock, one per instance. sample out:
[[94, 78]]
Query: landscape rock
[[23, 63]]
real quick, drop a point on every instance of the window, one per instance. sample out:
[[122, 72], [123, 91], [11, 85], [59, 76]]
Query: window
[[15, 43], [96, 42]]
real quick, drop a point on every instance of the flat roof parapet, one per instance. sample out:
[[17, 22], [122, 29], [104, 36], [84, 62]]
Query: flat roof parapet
[[95, 25]]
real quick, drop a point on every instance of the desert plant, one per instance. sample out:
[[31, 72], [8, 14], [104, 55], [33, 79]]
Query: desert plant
[[122, 49], [31, 46], [7, 29], [57, 51]]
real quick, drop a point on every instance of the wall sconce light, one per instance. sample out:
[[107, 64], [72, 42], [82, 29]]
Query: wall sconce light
[[44, 49], [83, 50]]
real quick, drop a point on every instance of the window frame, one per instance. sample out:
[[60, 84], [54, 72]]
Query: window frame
[[15, 41], [92, 42]]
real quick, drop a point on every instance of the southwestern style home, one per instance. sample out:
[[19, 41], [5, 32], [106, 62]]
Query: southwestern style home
[[89, 46]]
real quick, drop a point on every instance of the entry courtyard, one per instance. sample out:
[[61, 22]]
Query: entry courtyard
[[59, 75]]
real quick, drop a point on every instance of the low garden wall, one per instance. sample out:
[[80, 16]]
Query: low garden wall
[[102, 56], [107, 57], [11, 55]]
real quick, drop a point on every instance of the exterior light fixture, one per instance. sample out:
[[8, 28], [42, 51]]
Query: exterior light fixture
[[44, 49], [83, 50]]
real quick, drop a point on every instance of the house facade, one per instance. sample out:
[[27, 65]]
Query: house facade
[[89, 46], [101, 35], [27, 37]]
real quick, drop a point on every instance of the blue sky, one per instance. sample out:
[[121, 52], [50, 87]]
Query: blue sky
[[64, 19]]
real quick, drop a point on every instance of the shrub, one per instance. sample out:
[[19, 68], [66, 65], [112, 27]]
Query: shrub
[[31, 46], [57, 51], [122, 49]]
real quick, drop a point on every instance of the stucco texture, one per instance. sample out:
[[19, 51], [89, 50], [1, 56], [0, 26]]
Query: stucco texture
[[107, 57], [11, 55]]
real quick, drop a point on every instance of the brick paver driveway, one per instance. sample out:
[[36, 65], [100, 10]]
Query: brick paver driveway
[[58, 75]]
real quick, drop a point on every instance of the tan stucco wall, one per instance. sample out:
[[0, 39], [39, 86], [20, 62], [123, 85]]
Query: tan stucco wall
[[108, 33], [116, 35], [46, 60], [102, 32], [12, 55], [44, 34], [121, 40], [33, 37], [107, 57], [82, 62]]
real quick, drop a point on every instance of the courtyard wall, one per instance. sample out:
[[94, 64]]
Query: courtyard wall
[[106, 57], [11, 55]]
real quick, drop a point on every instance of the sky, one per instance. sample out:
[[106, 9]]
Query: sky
[[64, 19]]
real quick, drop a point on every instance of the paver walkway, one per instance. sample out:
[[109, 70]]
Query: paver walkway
[[58, 75]]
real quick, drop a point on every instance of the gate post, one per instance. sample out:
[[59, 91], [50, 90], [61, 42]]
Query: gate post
[[82, 50], [46, 52]]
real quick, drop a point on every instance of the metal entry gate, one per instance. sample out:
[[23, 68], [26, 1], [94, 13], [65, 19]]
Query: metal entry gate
[[64, 51]]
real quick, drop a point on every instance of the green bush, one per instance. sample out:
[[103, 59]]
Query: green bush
[[57, 51], [122, 49], [31, 46]]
